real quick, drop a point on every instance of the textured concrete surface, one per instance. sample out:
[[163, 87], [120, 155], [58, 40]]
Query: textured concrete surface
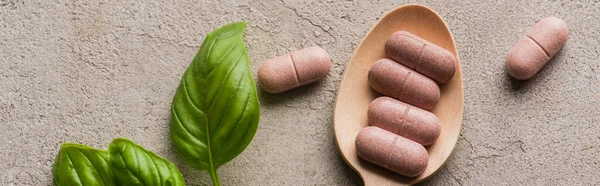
[[88, 72]]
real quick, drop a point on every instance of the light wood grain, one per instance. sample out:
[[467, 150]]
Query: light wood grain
[[355, 94]]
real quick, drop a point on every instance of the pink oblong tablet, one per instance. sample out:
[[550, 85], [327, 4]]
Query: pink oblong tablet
[[295, 69], [395, 80], [391, 151], [527, 57], [405, 120], [421, 55]]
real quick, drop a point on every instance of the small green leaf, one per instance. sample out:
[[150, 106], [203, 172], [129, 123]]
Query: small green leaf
[[79, 165], [132, 165], [215, 111], [125, 163]]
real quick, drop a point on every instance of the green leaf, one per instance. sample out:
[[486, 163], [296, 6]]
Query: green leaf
[[131, 165], [215, 110], [125, 163], [78, 165]]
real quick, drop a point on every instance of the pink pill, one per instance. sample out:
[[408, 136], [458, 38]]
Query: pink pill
[[391, 151], [405, 120], [395, 80], [293, 70], [421, 55], [527, 57]]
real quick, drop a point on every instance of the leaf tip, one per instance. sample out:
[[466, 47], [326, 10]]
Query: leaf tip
[[231, 29], [65, 146], [121, 140]]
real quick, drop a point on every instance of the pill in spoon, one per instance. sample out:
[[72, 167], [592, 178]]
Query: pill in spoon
[[421, 55], [395, 80], [405, 120], [391, 151]]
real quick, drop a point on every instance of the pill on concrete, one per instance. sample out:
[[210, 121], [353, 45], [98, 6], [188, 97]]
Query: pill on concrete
[[527, 57], [293, 70]]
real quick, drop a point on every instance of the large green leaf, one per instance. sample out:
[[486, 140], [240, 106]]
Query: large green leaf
[[132, 165], [78, 165], [215, 110]]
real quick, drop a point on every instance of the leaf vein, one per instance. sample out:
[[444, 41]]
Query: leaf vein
[[155, 166], [211, 166], [230, 100], [74, 168], [223, 58], [122, 152], [237, 123], [187, 94], [95, 170], [212, 101], [183, 126]]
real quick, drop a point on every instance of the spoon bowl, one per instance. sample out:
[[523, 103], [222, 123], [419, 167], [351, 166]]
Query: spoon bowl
[[355, 94]]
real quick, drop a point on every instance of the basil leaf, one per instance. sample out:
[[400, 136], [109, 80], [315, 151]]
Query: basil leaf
[[215, 110], [131, 164], [78, 165]]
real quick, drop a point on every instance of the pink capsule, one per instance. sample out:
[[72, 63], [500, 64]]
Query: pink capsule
[[293, 70], [391, 151], [405, 120], [527, 57], [395, 80], [421, 55]]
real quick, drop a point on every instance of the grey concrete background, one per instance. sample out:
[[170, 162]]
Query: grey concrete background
[[87, 72]]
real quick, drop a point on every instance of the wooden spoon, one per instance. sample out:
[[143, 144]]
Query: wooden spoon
[[355, 94]]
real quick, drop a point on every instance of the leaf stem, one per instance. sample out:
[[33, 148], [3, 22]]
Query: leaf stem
[[214, 176]]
